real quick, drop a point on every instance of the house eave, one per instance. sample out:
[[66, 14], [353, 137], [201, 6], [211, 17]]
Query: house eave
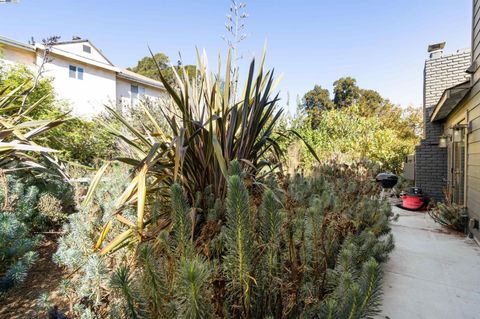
[[56, 50], [449, 101], [78, 58], [133, 78], [17, 44]]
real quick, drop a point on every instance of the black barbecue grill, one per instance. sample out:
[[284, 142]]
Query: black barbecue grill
[[387, 180]]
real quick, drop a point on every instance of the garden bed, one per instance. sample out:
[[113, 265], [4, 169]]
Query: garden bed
[[307, 246], [44, 277]]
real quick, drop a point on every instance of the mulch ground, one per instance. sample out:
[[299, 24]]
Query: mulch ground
[[43, 277]]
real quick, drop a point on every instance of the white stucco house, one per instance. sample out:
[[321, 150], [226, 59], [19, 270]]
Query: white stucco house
[[82, 75]]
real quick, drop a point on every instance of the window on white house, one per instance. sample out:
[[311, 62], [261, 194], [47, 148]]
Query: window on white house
[[72, 71], [75, 72], [136, 93], [87, 49], [80, 73]]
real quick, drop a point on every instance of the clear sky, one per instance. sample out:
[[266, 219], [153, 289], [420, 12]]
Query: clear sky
[[381, 43]]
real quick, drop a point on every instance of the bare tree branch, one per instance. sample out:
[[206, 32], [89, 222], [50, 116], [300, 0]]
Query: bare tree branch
[[48, 44]]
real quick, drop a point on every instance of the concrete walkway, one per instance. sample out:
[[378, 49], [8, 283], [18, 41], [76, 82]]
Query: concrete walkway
[[432, 273]]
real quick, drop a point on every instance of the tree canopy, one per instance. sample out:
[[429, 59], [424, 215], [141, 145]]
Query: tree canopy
[[346, 92], [317, 99], [146, 66], [357, 123]]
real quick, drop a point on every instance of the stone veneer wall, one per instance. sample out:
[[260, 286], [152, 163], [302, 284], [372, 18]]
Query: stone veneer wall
[[440, 73]]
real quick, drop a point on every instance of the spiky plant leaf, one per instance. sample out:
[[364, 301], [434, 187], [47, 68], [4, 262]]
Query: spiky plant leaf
[[181, 220], [122, 282], [240, 245], [192, 290], [17, 133], [153, 281], [370, 282]]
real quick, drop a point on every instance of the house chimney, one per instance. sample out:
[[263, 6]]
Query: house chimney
[[76, 37], [436, 50], [440, 73]]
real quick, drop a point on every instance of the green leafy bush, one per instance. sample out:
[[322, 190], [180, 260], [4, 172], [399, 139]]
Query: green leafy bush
[[348, 135], [81, 141], [12, 77], [77, 140]]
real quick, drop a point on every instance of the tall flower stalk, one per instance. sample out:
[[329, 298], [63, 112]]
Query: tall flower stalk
[[235, 26]]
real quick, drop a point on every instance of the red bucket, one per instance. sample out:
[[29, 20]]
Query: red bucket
[[414, 202]]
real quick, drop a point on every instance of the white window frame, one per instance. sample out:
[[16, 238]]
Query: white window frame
[[135, 97], [75, 72], [72, 71]]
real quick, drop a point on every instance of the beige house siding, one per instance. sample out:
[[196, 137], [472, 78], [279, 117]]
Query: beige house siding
[[468, 112], [476, 30], [103, 83], [472, 114], [473, 156], [124, 95], [77, 48], [11, 55]]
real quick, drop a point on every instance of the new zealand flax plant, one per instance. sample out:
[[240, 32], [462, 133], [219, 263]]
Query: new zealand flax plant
[[206, 130], [18, 131]]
